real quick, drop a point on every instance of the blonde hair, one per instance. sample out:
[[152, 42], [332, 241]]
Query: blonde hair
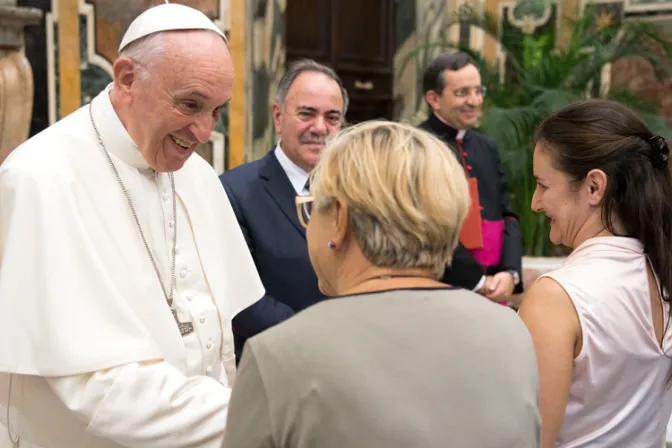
[[406, 193]]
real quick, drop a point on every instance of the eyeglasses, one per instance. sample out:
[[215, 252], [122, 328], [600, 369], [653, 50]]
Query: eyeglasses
[[467, 91], [304, 206]]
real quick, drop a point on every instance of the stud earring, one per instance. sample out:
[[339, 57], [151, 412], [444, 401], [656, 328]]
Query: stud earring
[[331, 245]]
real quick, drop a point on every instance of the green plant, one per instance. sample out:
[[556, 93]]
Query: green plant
[[540, 77]]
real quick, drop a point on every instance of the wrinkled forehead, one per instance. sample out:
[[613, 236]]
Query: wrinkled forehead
[[209, 68], [315, 91]]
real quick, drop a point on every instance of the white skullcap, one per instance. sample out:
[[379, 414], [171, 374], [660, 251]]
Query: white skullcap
[[167, 17]]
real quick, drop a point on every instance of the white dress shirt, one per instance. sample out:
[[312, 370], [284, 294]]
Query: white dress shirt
[[297, 175]]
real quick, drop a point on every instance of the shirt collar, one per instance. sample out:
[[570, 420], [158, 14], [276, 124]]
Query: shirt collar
[[297, 175], [113, 133], [438, 123]]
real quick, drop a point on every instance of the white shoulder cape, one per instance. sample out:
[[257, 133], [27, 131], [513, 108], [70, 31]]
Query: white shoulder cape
[[77, 290]]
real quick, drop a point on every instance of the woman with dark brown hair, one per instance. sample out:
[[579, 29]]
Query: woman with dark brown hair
[[600, 323]]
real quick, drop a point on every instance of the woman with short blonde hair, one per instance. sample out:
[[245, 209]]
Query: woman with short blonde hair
[[397, 359], [405, 200]]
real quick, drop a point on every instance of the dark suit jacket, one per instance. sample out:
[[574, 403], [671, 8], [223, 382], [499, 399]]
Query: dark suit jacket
[[262, 198], [482, 156]]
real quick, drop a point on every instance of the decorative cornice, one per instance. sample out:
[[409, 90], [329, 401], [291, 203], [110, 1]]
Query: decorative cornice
[[528, 23], [12, 21]]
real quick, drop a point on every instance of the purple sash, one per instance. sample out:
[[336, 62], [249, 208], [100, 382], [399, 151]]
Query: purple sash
[[493, 241]]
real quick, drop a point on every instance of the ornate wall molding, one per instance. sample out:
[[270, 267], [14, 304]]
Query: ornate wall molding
[[634, 6], [526, 21], [12, 21]]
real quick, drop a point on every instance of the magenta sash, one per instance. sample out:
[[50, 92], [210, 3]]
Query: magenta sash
[[493, 241]]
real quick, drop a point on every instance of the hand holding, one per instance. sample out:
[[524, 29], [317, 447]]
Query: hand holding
[[500, 287]]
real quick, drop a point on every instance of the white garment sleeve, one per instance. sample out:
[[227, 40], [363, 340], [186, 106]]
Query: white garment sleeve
[[480, 284], [147, 405]]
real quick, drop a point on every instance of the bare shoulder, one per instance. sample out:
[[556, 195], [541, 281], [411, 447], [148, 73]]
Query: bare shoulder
[[545, 294], [546, 302]]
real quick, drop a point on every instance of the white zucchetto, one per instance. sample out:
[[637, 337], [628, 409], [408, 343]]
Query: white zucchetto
[[167, 17]]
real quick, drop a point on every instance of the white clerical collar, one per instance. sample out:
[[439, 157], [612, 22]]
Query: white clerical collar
[[460, 132], [115, 137], [297, 175]]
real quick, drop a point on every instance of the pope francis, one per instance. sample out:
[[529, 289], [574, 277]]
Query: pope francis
[[121, 261]]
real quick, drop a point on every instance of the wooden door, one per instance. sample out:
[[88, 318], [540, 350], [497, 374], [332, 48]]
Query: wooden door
[[308, 29], [354, 37]]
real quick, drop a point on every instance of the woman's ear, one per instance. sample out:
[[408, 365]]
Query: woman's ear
[[596, 182], [340, 214]]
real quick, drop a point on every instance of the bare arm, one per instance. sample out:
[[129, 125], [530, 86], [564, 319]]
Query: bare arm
[[551, 319], [147, 405]]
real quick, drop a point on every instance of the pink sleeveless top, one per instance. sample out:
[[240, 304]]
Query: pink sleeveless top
[[619, 396]]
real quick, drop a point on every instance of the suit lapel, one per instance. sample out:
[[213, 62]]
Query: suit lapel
[[280, 189]]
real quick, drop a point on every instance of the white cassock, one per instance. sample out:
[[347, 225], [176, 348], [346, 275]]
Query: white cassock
[[96, 355]]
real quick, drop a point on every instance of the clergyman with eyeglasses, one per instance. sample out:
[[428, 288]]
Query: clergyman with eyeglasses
[[489, 256]]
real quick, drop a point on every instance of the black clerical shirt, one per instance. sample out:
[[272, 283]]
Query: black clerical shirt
[[482, 161]]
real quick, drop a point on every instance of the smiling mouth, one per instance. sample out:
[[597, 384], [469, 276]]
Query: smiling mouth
[[181, 143]]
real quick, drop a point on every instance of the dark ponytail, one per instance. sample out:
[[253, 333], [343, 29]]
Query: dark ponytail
[[605, 135]]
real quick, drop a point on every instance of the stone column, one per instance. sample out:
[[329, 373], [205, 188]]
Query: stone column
[[16, 76]]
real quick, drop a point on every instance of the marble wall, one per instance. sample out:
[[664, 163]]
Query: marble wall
[[419, 23], [423, 32], [266, 58]]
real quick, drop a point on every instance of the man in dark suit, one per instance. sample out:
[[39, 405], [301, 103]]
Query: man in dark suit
[[453, 90], [310, 104]]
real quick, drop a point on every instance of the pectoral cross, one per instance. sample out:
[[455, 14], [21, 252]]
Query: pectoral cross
[[185, 327]]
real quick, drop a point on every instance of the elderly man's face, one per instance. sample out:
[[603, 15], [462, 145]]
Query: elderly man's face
[[313, 109], [178, 106]]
